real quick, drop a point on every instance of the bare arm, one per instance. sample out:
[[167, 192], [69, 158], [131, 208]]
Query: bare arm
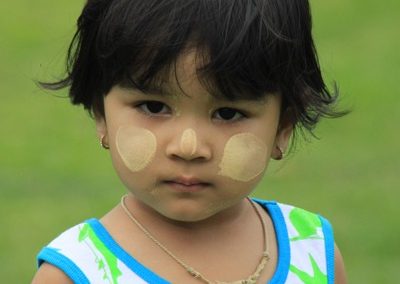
[[340, 273], [49, 274]]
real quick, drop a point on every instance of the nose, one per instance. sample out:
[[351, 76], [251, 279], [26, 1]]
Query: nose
[[186, 145]]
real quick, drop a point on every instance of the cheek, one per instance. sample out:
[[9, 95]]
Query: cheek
[[244, 158], [136, 147]]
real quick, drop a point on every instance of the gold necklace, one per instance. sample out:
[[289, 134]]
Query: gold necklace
[[252, 279]]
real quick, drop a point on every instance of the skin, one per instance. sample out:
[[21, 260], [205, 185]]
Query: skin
[[192, 140], [188, 142], [136, 147], [244, 157]]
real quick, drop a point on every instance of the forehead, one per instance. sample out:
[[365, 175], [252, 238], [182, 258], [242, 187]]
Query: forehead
[[182, 73], [185, 78]]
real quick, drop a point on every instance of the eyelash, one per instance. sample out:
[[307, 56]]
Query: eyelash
[[236, 113], [145, 104], [140, 106]]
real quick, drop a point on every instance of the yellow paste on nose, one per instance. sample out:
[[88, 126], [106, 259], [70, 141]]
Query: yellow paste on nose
[[188, 143], [136, 146], [244, 157]]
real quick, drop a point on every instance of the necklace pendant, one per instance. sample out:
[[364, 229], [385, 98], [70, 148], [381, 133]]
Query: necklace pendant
[[193, 272]]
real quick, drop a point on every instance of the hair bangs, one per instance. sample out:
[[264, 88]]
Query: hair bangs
[[241, 53]]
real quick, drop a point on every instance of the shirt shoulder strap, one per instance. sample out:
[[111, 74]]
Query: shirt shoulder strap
[[82, 256], [311, 246]]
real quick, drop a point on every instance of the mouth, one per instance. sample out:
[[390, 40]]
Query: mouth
[[187, 184]]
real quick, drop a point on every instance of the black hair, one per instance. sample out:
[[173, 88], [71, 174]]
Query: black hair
[[251, 48]]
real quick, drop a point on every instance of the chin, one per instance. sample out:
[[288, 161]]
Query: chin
[[186, 214], [185, 217]]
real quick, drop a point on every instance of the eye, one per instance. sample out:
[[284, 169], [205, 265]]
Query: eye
[[228, 114], [153, 108]]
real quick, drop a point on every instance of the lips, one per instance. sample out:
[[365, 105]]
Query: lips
[[187, 183]]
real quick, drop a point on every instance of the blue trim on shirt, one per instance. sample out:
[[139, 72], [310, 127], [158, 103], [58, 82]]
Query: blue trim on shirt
[[329, 249], [143, 272], [60, 261], [282, 268]]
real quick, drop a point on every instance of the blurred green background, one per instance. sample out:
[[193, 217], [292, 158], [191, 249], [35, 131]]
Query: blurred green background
[[53, 173]]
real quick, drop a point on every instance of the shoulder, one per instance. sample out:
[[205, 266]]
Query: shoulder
[[61, 260], [308, 240], [308, 227], [300, 222], [340, 272], [48, 274]]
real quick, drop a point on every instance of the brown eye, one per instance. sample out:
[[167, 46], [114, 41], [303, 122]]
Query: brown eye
[[228, 114], [153, 108]]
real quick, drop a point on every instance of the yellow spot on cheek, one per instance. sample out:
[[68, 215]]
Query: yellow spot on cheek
[[244, 157], [136, 147], [188, 142]]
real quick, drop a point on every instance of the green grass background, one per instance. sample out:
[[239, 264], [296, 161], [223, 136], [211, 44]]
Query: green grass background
[[53, 174]]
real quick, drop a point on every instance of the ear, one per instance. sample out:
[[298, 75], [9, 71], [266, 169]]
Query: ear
[[101, 129], [284, 132]]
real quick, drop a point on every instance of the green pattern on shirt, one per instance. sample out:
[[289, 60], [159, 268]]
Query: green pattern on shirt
[[317, 278], [305, 223], [107, 262]]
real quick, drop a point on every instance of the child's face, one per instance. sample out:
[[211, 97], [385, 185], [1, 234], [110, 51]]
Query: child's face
[[191, 156]]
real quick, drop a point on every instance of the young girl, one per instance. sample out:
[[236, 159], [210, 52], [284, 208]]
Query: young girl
[[193, 98]]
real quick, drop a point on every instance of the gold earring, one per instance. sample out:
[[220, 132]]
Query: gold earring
[[103, 144], [280, 155]]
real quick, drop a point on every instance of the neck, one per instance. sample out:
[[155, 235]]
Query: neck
[[230, 217], [218, 238]]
